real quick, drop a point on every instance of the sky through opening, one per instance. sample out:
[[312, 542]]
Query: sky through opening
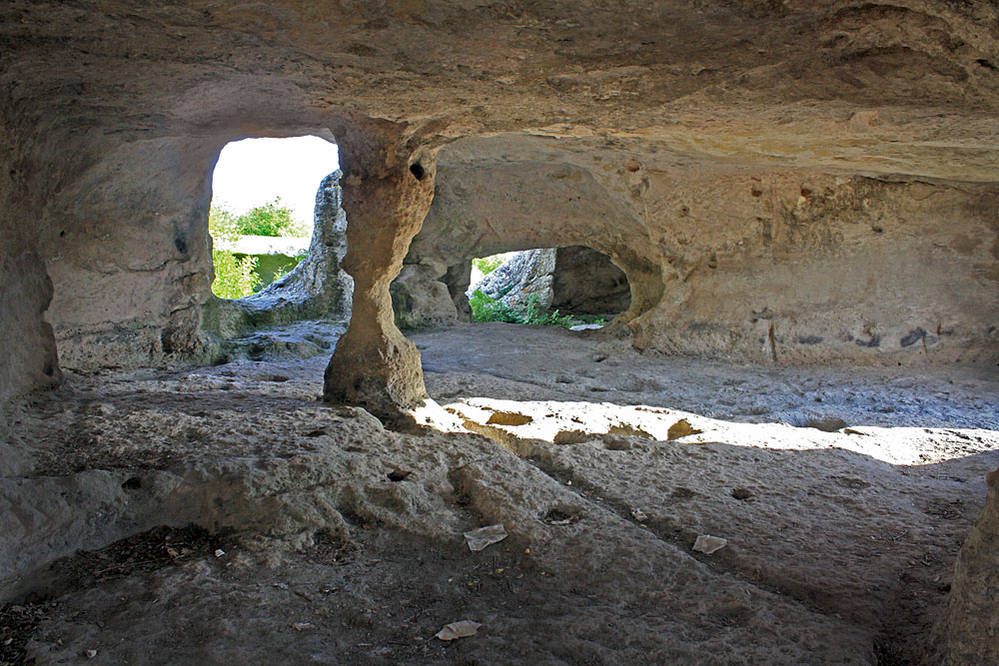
[[254, 171]]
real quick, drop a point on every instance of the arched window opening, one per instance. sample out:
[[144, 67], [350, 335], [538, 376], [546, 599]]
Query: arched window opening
[[574, 287], [263, 198]]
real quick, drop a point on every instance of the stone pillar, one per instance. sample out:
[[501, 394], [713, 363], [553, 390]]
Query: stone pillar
[[969, 633], [386, 195], [27, 346]]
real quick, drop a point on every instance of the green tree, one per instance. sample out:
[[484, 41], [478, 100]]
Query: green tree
[[268, 219], [237, 277], [487, 265]]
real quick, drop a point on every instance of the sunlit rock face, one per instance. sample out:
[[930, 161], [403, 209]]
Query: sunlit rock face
[[525, 278]]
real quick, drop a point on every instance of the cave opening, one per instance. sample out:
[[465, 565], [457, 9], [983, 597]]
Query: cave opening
[[573, 286], [279, 233], [262, 212]]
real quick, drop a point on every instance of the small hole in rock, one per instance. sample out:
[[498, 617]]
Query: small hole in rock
[[397, 475], [562, 516], [133, 483], [276, 378], [417, 170]]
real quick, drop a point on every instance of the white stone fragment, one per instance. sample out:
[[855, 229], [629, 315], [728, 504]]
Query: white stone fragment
[[484, 536], [707, 544], [456, 630]]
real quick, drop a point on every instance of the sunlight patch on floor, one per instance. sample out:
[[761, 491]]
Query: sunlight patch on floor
[[511, 422]]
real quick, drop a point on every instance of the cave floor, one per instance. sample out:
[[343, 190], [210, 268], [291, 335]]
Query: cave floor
[[223, 514]]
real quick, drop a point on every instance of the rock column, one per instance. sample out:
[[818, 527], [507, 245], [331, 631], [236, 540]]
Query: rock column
[[970, 629], [386, 195]]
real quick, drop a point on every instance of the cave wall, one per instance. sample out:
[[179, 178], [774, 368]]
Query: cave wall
[[27, 352], [819, 268], [788, 181], [127, 249], [586, 282], [757, 264], [969, 630]]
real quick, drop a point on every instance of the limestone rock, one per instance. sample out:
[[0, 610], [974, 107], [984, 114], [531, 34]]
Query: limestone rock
[[460, 629], [707, 544], [794, 148], [586, 282], [420, 299], [373, 365], [969, 633], [523, 278]]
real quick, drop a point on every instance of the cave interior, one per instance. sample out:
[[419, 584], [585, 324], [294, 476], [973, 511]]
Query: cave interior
[[783, 448]]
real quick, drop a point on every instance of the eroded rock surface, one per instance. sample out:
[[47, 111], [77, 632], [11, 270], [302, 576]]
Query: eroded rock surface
[[524, 278], [352, 533], [781, 182], [970, 631], [388, 193], [694, 132], [761, 264], [585, 282]]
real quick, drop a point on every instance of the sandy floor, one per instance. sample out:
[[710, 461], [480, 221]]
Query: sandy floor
[[842, 494]]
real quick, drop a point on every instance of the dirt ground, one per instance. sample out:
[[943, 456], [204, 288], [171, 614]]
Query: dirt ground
[[226, 515]]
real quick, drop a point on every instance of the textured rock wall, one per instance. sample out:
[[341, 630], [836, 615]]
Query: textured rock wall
[[969, 633], [126, 246], [818, 267], [526, 276], [785, 265], [118, 109], [27, 347], [587, 283], [792, 181]]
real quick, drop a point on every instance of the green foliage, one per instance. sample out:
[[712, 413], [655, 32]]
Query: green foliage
[[223, 224], [234, 277], [487, 265], [535, 315], [269, 219], [287, 268], [486, 308], [237, 277]]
